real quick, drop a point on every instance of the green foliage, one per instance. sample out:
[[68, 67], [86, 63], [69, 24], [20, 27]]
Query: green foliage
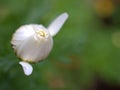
[[83, 48]]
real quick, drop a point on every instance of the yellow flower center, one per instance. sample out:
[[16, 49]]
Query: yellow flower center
[[41, 33]]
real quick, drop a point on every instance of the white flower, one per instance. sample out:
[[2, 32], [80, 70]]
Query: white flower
[[33, 42]]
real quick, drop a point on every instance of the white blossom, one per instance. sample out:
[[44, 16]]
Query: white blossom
[[33, 42]]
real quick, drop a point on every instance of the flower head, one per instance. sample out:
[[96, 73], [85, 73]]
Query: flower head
[[33, 42]]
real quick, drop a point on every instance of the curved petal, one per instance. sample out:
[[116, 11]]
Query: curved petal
[[56, 25], [27, 68]]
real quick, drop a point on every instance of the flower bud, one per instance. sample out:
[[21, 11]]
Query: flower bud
[[33, 42]]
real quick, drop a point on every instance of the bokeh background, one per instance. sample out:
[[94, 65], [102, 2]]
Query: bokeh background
[[86, 53]]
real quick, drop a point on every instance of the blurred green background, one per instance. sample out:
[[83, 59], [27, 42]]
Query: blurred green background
[[86, 53]]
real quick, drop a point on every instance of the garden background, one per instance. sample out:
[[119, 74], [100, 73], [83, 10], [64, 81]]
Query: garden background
[[86, 52]]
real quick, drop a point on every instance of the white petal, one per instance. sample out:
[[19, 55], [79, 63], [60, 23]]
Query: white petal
[[27, 68], [34, 51], [56, 25], [29, 45]]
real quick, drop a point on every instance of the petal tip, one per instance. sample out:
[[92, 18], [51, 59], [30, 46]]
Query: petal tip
[[27, 68], [66, 14]]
